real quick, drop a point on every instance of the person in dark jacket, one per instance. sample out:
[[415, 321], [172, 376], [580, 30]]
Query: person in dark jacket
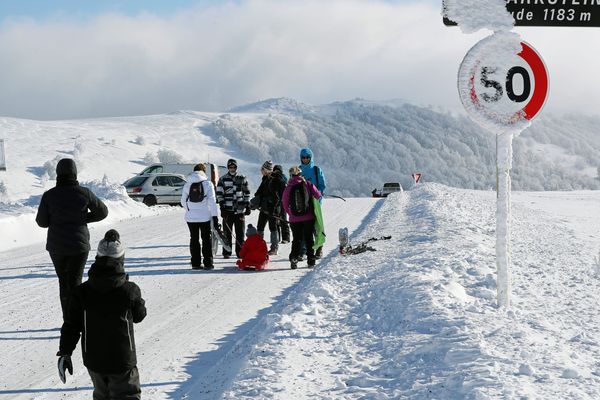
[[233, 197], [66, 210], [282, 223], [103, 310], [269, 203], [302, 226]]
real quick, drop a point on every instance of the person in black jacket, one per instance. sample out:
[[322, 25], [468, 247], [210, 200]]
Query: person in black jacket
[[283, 225], [66, 210], [103, 310], [269, 202], [233, 197]]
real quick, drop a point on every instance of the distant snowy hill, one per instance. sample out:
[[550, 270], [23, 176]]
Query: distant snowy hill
[[360, 144]]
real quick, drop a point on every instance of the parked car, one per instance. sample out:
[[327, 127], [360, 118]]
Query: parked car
[[388, 188], [152, 189], [213, 171]]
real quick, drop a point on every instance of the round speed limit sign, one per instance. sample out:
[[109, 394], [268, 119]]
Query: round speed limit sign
[[503, 82]]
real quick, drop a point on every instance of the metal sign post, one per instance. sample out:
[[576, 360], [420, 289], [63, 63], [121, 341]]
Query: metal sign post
[[503, 85]]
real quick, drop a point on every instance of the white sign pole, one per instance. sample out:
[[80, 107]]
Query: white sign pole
[[503, 217]]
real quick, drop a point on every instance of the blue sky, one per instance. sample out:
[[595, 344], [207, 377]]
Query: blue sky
[[41, 9]]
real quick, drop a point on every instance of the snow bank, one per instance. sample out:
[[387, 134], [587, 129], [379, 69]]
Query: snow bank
[[418, 318]]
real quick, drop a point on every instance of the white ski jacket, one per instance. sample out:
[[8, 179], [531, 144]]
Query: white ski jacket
[[207, 208]]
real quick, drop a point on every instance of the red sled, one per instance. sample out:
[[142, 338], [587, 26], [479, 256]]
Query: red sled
[[254, 254]]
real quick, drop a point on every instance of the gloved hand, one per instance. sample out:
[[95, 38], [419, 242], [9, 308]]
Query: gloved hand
[[247, 211], [64, 364], [215, 221]]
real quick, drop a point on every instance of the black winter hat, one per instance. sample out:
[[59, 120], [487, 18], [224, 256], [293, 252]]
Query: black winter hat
[[231, 161], [251, 230], [278, 167], [66, 168]]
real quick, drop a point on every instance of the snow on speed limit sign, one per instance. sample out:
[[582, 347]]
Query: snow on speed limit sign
[[503, 82]]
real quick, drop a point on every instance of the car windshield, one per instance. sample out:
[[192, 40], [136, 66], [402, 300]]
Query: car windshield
[[136, 181], [152, 170]]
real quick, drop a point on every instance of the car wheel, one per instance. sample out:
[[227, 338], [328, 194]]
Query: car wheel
[[150, 200]]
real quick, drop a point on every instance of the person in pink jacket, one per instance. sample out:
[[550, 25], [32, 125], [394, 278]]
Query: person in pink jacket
[[297, 203]]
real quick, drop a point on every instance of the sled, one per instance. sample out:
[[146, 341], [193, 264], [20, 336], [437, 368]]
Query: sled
[[220, 236], [319, 225], [249, 267]]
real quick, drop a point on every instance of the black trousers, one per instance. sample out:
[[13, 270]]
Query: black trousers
[[274, 232], [197, 230], [69, 269], [124, 386], [303, 232], [237, 222], [284, 227]]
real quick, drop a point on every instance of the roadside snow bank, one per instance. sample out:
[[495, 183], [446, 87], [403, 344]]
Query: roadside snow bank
[[418, 319]]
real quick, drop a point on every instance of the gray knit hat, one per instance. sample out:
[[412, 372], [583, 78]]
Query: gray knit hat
[[251, 230], [111, 246], [268, 166]]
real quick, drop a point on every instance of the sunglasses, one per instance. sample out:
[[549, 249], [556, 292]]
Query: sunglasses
[[305, 157], [232, 167]]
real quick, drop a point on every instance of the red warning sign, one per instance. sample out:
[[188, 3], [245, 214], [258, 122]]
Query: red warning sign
[[503, 82]]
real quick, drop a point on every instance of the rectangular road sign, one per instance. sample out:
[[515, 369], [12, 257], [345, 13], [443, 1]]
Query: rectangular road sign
[[581, 13]]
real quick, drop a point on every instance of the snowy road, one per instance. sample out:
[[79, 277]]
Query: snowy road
[[194, 317]]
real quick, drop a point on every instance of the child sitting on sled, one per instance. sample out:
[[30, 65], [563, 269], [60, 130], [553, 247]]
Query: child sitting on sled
[[254, 253]]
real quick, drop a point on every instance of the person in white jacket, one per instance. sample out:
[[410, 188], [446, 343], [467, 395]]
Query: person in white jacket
[[198, 199]]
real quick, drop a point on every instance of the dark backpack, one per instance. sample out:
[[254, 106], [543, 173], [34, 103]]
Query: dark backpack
[[196, 194], [299, 199]]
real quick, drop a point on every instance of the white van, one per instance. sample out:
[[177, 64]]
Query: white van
[[213, 172]]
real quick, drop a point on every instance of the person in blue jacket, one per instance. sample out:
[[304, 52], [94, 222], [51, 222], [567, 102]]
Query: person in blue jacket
[[313, 174], [310, 171]]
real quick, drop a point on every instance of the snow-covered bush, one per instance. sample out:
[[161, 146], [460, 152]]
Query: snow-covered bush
[[44, 178], [150, 158], [49, 167], [167, 156], [107, 190], [140, 140], [3, 191], [223, 141], [78, 156]]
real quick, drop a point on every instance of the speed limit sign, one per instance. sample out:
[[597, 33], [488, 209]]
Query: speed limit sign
[[503, 82]]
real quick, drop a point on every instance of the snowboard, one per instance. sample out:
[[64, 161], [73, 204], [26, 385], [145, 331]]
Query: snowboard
[[344, 240], [218, 233], [319, 225]]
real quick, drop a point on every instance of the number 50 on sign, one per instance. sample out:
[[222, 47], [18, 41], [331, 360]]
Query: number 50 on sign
[[503, 84]]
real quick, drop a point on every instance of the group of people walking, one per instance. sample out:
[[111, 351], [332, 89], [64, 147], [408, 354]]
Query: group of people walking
[[231, 198], [96, 309]]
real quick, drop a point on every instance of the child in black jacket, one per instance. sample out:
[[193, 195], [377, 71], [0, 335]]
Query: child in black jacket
[[103, 310]]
